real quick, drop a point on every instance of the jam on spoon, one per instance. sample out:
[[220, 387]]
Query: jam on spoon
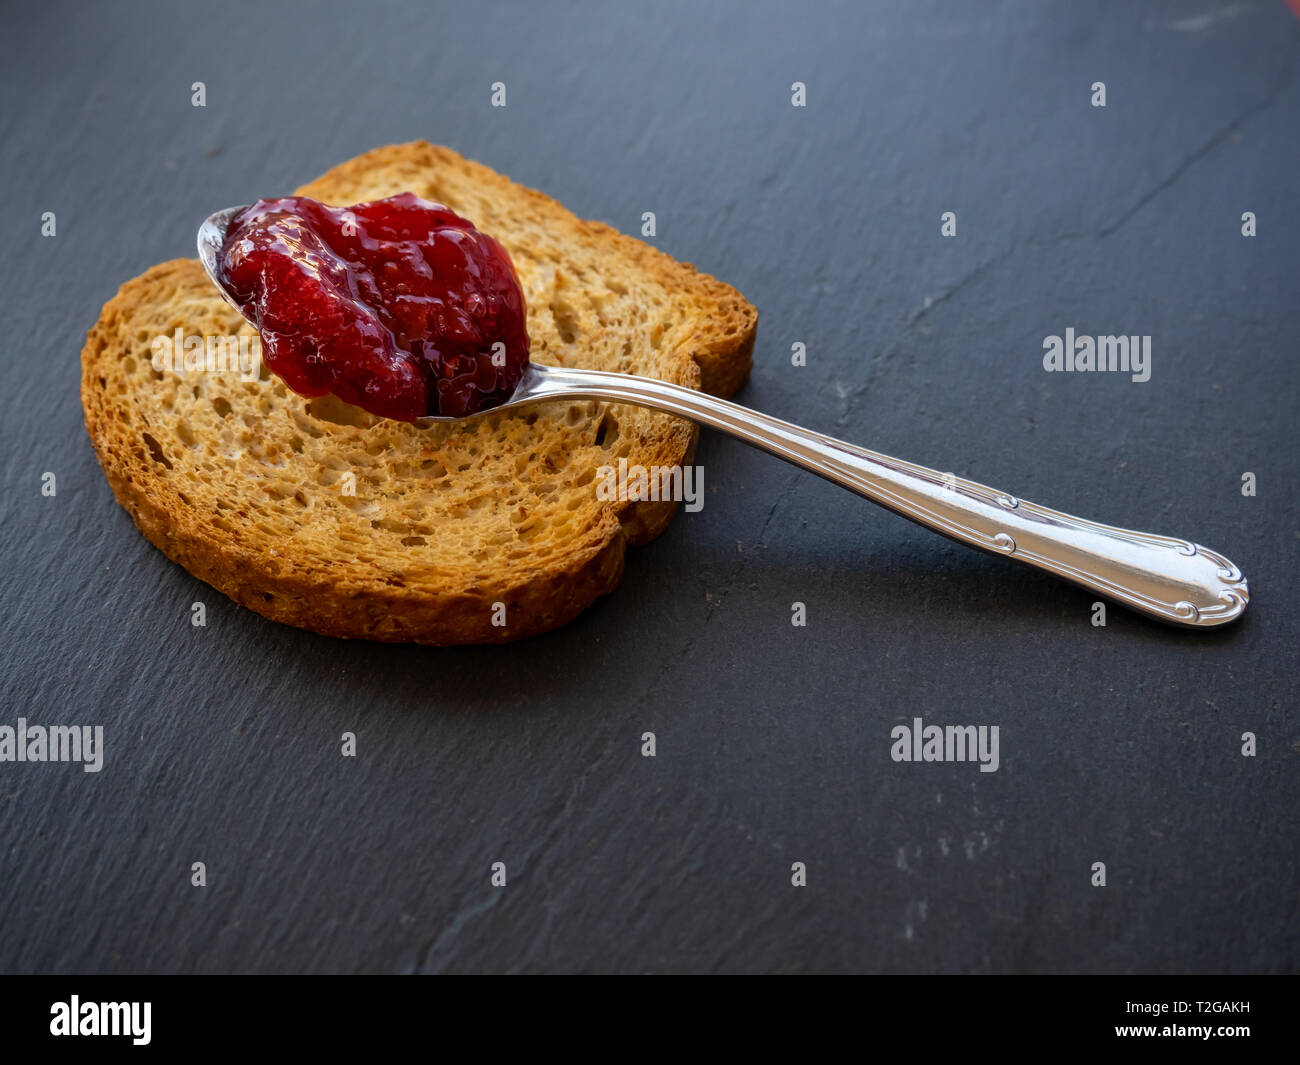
[[398, 306]]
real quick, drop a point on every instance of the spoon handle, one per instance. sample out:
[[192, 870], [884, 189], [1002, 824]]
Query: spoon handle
[[1174, 580]]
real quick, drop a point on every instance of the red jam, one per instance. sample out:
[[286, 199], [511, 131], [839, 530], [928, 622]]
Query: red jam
[[398, 306]]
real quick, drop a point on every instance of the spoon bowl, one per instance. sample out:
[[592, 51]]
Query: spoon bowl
[[212, 235]]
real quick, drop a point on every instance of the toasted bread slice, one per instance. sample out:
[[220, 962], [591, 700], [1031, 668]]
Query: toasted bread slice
[[245, 483]]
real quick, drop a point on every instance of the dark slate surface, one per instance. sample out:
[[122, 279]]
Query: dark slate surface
[[1119, 744]]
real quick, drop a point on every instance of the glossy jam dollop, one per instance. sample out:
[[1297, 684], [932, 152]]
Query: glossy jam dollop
[[398, 306]]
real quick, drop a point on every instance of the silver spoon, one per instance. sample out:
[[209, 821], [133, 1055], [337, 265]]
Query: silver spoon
[[1173, 580]]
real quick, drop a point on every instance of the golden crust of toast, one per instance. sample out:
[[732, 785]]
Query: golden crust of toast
[[245, 483]]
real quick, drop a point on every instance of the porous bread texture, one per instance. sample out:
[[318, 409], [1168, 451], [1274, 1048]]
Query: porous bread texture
[[241, 482]]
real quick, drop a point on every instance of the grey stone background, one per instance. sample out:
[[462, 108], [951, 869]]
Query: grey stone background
[[1119, 744]]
